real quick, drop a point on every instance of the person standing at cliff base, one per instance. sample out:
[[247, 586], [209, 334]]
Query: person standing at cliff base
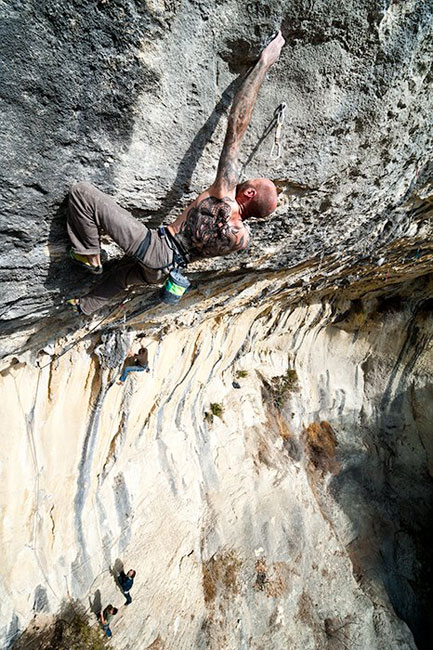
[[106, 617], [126, 581], [212, 225]]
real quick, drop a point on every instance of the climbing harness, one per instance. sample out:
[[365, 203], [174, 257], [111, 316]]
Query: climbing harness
[[180, 257], [281, 116], [176, 283]]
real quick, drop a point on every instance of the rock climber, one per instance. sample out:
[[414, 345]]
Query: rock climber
[[137, 363], [106, 617], [212, 225], [126, 580]]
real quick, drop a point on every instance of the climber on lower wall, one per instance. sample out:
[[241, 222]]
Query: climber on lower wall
[[136, 363], [211, 226]]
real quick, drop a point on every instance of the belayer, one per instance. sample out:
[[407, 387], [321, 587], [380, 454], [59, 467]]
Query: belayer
[[105, 618], [212, 225], [126, 581]]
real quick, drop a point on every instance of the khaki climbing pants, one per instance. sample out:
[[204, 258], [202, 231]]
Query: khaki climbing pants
[[91, 211]]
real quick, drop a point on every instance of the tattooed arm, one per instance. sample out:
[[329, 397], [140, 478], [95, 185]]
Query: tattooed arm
[[239, 118], [211, 225]]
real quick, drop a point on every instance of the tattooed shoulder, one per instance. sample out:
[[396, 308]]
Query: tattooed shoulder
[[207, 231]]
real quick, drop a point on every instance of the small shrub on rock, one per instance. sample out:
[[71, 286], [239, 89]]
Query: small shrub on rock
[[282, 387]]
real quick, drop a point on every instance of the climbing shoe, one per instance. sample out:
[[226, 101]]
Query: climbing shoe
[[81, 260], [74, 304]]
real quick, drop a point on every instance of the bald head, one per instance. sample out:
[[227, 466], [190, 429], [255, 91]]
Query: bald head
[[257, 196]]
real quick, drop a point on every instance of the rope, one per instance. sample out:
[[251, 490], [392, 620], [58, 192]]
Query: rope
[[89, 331], [126, 318]]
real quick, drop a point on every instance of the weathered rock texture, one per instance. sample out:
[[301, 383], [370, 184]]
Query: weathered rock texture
[[131, 95], [299, 518]]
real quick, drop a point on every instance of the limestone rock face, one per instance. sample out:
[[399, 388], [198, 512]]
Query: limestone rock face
[[271, 478], [132, 96]]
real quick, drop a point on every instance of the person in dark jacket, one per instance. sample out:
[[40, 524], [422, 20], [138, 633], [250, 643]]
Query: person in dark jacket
[[126, 581]]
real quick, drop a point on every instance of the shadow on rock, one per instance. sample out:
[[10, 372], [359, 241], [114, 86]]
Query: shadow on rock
[[393, 508], [96, 604], [189, 161], [117, 568]]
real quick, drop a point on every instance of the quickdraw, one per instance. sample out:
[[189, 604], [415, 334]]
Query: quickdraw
[[281, 116]]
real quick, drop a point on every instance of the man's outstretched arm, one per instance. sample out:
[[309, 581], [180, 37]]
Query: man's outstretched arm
[[240, 116]]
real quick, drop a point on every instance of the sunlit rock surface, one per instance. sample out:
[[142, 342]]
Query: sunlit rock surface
[[300, 510], [298, 514]]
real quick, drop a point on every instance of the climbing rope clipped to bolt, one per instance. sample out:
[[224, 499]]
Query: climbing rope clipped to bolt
[[280, 113]]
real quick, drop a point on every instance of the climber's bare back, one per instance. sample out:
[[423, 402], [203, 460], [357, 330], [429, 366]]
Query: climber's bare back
[[211, 226]]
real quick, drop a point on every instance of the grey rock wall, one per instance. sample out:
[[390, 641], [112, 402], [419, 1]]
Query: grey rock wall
[[132, 96]]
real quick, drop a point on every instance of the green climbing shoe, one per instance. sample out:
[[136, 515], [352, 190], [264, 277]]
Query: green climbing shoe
[[74, 304], [81, 260]]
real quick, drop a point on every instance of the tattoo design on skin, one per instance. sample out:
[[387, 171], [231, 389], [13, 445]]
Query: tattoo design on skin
[[230, 171], [207, 232]]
